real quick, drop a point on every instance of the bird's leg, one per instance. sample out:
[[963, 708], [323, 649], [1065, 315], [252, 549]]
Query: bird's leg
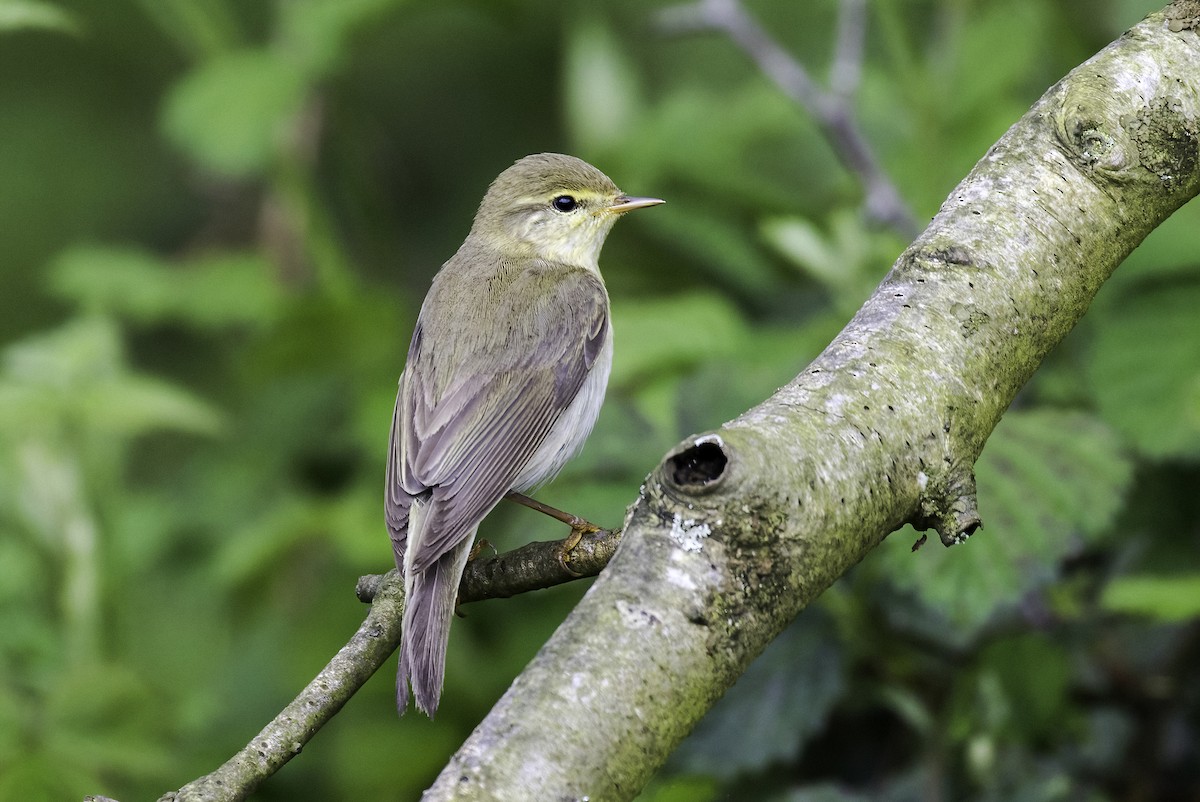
[[479, 546], [579, 526]]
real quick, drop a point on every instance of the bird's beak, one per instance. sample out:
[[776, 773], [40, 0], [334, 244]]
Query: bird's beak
[[624, 203]]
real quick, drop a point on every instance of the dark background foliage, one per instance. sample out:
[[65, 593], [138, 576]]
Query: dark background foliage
[[218, 220]]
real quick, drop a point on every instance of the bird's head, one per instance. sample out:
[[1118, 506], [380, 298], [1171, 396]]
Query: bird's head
[[554, 207]]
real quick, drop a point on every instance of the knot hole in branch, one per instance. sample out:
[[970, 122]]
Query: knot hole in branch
[[700, 467]]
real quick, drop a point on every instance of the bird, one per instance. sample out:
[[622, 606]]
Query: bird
[[504, 379]]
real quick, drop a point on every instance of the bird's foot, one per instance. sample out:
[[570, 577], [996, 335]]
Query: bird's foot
[[579, 528]]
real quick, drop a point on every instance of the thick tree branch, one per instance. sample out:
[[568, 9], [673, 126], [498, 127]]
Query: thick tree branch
[[739, 529]]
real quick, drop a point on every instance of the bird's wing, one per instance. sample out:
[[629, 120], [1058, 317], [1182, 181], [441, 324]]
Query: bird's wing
[[397, 500], [465, 437]]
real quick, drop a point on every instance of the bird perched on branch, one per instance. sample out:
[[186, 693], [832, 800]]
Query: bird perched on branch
[[505, 376]]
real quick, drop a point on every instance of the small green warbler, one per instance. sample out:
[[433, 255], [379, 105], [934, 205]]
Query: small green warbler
[[504, 379]]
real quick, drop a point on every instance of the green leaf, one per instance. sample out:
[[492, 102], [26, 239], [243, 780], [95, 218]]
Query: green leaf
[[113, 699], [747, 146], [1168, 252], [216, 290], [784, 697], [258, 546], [1145, 367], [677, 788], [767, 358], [199, 28], [848, 258], [21, 15], [1023, 26], [353, 749], [132, 405], [80, 351], [1048, 481], [316, 31], [668, 334], [1170, 599], [721, 247], [77, 375], [998, 698], [234, 113], [601, 86], [37, 775], [20, 572], [1052, 474], [807, 247]]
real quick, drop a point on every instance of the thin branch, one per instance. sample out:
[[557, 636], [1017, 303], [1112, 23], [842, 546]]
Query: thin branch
[[531, 567], [287, 734], [534, 566], [832, 111], [730, 18], [846, 73]]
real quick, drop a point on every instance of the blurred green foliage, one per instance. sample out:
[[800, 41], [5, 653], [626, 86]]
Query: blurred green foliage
[[218, 223]]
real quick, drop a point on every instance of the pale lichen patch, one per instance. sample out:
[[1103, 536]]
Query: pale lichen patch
[[689, 534]]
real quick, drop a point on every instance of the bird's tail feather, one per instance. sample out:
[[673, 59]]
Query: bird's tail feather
[[429, 598]]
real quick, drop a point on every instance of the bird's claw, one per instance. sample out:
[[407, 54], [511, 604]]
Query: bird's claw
[[579, 528]]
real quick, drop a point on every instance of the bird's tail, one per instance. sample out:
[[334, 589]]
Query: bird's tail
[[429, 598]]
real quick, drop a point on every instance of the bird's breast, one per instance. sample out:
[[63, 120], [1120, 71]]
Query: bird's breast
[[573, 426]]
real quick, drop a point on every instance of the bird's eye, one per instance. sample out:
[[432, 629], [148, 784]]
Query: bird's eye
[[564, 203]]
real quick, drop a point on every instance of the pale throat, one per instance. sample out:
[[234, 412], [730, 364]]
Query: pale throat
[[573, 244]]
